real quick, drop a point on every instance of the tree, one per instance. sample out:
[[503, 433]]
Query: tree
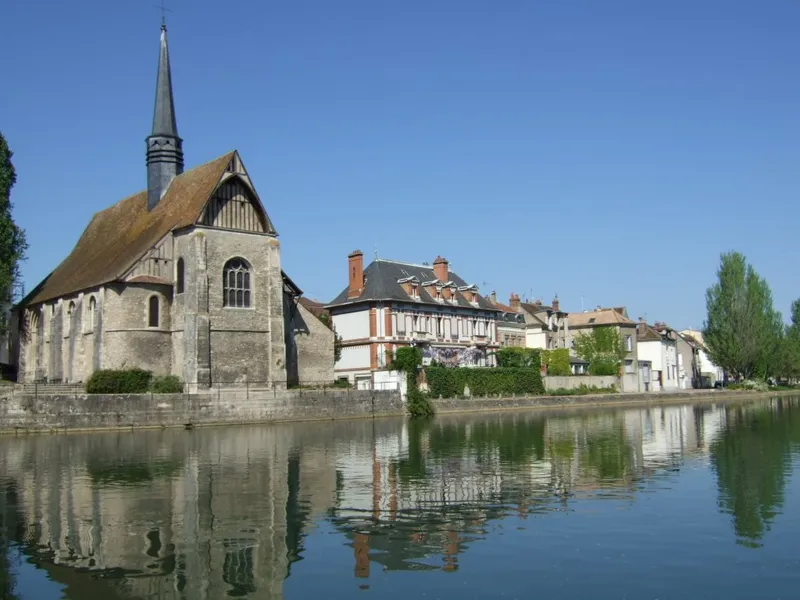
[[12, 237], [789, 354], [603, 349], [337, 346], [743, 331]]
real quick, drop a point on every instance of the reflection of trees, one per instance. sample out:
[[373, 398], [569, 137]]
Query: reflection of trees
[[608, 453], [751, 458]]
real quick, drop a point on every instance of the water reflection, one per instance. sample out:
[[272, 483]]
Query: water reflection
[[228, 512], [752, 460]]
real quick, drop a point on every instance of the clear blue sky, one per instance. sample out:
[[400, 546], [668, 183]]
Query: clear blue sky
[[610, 149]]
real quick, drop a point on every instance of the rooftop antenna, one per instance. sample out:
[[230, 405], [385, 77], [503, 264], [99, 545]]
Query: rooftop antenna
[[375, 252], [163, 10]]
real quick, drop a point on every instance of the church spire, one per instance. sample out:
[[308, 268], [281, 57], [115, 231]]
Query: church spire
[[164, 147]]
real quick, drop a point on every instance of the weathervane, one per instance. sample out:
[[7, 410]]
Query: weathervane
[[163, 10]]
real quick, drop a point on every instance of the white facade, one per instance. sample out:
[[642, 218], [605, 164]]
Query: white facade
[[535, 337], [663, 358]]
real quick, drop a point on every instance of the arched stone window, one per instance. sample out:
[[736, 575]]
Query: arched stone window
[[91, 313], [236, 284], [179, 276], [70, 316], [152, 311]]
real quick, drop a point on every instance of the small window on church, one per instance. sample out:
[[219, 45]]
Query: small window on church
[[236, 284], [92, 311], [179, 275], [70, 315], [152, 312]]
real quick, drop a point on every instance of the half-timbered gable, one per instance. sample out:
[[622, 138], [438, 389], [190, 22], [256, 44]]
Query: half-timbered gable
[[235, 205]]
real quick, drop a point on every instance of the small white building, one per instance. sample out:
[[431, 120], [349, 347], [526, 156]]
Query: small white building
[[657, 345], [709, 372]]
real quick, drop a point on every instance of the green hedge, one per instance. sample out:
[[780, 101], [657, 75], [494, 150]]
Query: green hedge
[[450, 382], [109, 381], [166, 384], [132, 381], [511, 356], [557, 362]]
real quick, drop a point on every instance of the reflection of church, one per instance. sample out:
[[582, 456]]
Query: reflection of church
[[185, 523]]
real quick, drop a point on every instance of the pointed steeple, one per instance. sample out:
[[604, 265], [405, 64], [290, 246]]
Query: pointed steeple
[[164, 147]]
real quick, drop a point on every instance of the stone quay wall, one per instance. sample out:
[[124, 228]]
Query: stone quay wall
[[56, 412], [76, 412], [495, 403]]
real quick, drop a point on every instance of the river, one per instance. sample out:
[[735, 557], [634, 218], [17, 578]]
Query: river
[[683, 501]]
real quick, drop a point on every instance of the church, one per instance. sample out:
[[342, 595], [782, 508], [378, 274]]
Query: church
[[183, 278]]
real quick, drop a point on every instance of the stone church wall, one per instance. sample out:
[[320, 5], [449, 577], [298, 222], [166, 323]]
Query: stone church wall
[[245, 343], [128, 340], [309, 345]]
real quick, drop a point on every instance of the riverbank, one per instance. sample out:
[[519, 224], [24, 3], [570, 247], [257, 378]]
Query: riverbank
[[471, 405], [25, 413]]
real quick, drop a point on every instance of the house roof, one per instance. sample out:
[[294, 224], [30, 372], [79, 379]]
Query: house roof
[[645, 333], [120, 235], [381, 283], [315, 308], [600, 316]]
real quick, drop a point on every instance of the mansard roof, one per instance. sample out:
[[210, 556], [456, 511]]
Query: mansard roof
[[120, 235], [383, 281]]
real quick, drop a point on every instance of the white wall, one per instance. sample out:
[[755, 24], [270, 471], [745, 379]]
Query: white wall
[[650, 351], [353, 357], [536, 338], [352, 325]]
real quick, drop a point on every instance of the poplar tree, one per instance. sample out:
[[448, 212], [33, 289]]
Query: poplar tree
[[743, 331], [12, 237]]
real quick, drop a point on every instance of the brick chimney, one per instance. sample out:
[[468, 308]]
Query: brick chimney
[[555, 304], [493, 297], [513, 302], [440, 269], [356, 274]]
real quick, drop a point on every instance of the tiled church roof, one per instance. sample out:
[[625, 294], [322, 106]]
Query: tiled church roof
[[120, 235]]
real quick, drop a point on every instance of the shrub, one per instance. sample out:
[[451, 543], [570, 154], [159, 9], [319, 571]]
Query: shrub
[[583, 390], [557, 362], [407, 360], [450, 383], [166, 384], [749, 385], [109, 381], [342, 383], [519, 358]]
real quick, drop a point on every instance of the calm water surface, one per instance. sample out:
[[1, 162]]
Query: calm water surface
[[695, 501]]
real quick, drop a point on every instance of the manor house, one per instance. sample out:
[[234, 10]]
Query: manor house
[[182, 278]]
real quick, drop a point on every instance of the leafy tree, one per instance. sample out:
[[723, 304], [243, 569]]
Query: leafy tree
[[337, 346], [743, 331], [603, 349], [788, 360], [12, 237], [408, 359]]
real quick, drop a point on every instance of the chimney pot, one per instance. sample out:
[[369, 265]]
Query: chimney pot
[[513, 302]]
